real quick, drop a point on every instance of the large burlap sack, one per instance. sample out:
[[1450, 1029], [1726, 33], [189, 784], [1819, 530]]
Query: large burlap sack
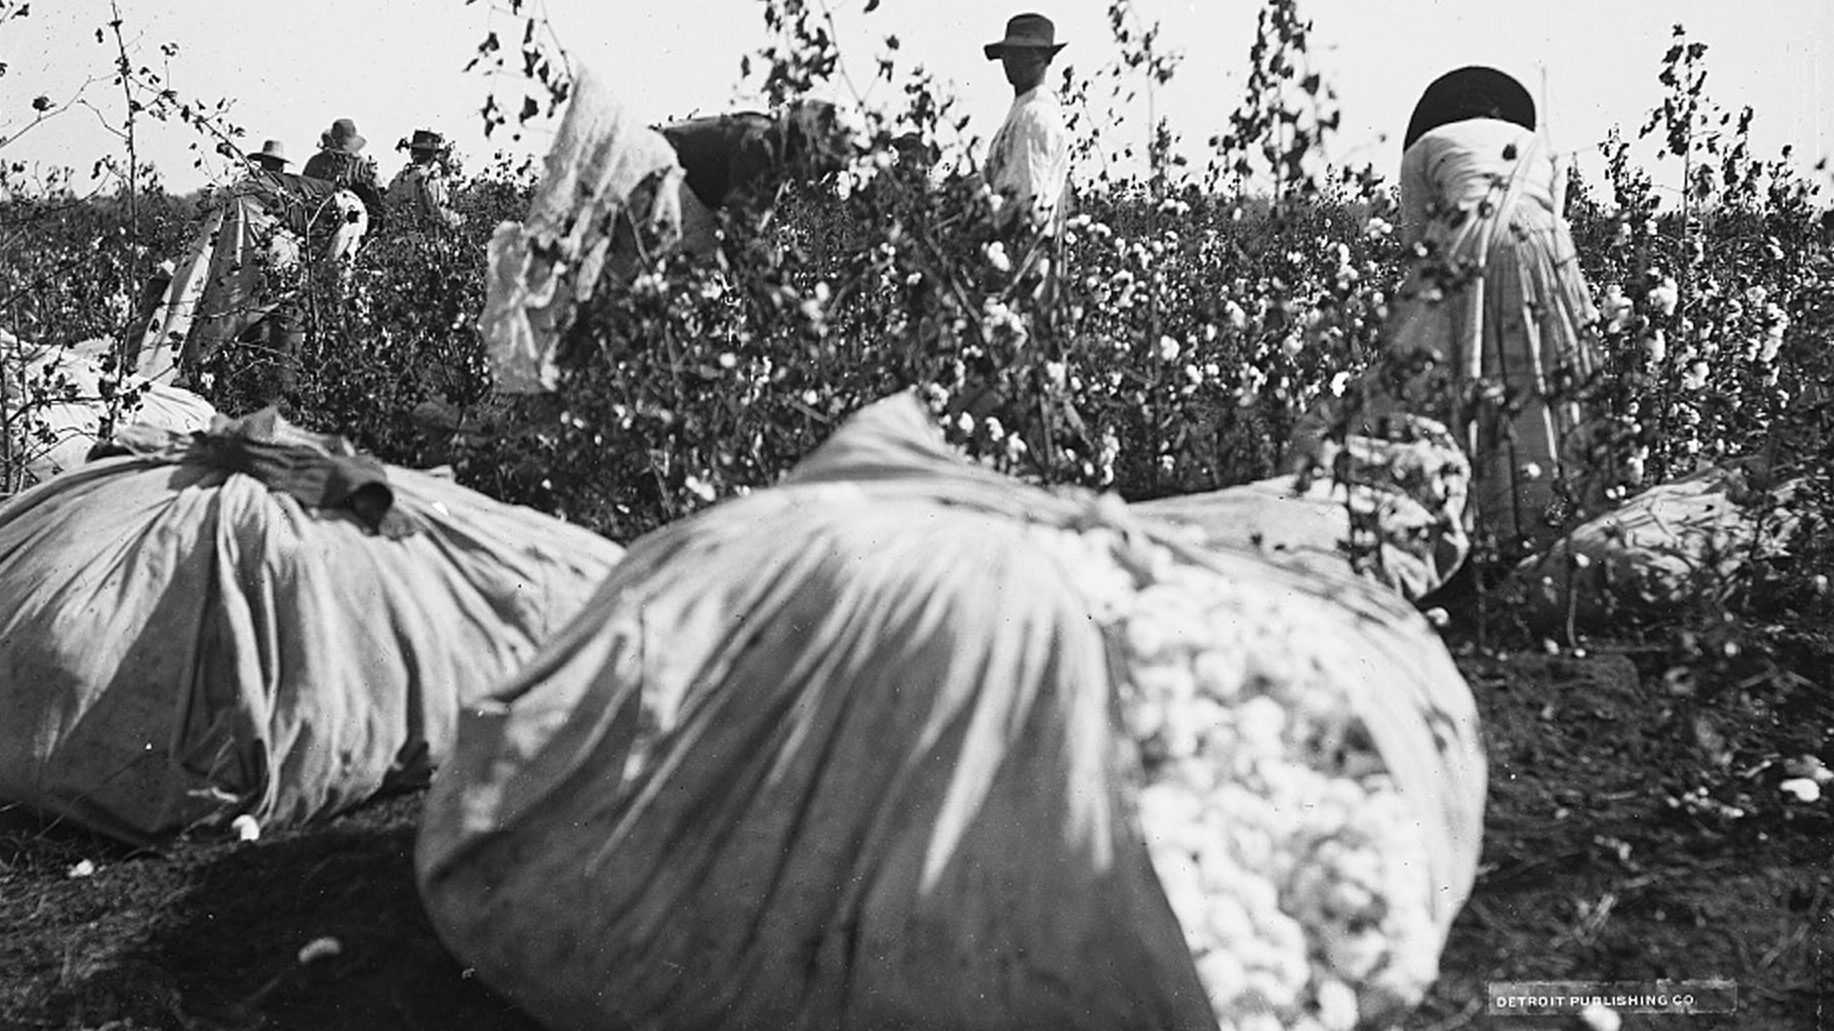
[[1663, 547], [59, 400], [182, 644], [1395, 512], [850, 753]]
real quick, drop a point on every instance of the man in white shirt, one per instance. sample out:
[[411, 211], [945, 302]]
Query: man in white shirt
[[1028, 163]]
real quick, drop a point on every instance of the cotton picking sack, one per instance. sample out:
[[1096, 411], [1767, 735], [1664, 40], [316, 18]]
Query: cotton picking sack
[[1401, 502], [904, 743], [185, 640], [1663, 546], [58, 401]]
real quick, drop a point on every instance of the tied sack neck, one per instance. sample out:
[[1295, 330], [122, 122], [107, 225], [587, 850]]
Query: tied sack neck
[[321, 471]]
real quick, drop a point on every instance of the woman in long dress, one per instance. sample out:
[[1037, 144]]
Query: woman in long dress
[[1490, 335]]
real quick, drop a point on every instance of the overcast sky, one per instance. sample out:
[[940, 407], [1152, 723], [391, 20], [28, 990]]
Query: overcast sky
[[395, 66]]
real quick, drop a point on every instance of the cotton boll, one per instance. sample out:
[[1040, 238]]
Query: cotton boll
[[1336, 1006], [1171, 683], [1163, 805], [1261, 720], [1220, 673], [1356, 955], [1223, 977], [1665, 296]]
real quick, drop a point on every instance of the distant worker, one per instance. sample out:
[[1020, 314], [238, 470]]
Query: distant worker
[[272, 157], [1503, 357], [420, 196], [1028, 163], [739, 160], [340, 161]]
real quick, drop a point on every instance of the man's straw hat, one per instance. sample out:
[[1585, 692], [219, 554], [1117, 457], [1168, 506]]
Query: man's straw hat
[[1032, 31]]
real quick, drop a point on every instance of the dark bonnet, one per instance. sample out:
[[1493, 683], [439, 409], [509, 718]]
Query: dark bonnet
[[1470, 92]]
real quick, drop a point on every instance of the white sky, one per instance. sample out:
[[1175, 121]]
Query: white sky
[[396, 65]]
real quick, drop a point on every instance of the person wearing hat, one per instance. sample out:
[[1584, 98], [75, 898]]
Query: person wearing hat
[[272, 157], [1028, 162], [420, 195], [340, 161], [1496, 300]]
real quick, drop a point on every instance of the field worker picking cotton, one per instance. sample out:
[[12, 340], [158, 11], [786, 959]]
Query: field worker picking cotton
[[340, 161], [1491, 331], [420, 195], [1028, 162]]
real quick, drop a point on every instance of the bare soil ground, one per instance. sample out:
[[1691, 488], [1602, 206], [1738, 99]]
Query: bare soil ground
[[1597, 867]]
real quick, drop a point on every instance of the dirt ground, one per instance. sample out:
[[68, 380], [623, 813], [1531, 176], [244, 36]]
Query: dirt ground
[[1600, 864]]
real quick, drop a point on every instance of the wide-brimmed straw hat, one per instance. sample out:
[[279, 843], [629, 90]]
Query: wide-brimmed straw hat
[[1470, 92], [342, 136], [274, 150], [1032, 31]]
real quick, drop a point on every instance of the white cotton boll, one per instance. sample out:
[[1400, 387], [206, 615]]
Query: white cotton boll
[[1665, 296], [1656, 347], [1259, 898], [1217, 866], [1254, 849], [1220, 673], [1197, 778], [1181, 740], [1145, 719], [1170, 683], [1208, 716], [1149, 641], [1345, 794], [1227, 923], [1355, 955], [1223, 977], [1183, 886], [1175, 615], [1615, 307], [1358, 869], [1348, 900], [1272, 991], [1336, 1006], [1165, 805], [1286, 936], [1260, 720]]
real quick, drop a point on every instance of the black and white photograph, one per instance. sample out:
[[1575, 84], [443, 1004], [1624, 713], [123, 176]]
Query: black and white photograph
[[860, 515]]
